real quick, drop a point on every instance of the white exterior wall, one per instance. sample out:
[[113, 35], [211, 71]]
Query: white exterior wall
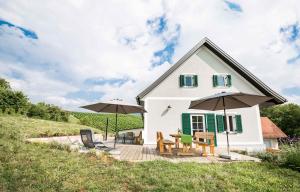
[[204, 64], [271, 143]]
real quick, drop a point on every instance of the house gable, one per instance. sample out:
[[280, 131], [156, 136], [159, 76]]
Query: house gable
[[204, 60]]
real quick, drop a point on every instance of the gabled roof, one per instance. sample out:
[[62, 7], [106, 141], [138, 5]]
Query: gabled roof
[[270, 130], [277, 99]]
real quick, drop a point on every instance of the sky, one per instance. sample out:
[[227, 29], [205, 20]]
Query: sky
[[76, 52]]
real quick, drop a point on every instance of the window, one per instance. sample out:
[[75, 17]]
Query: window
[[197, 123], [234, 123], [222, 80], [231, 123], [188, 81]]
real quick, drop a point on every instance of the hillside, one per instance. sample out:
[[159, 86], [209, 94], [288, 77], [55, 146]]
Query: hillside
[[30, 127], [98, 120], [51, 167]]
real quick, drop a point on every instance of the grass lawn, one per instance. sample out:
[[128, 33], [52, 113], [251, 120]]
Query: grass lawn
[[30, 127], [41, 167]]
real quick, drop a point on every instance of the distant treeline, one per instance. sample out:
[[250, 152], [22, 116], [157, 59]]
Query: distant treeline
[[16, 102], [286, 116]]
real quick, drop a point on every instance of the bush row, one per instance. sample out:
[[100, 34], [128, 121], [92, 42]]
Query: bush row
[[16, 102], [288, 156]]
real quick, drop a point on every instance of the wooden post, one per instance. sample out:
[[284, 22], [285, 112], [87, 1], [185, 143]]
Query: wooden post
[[106, 129]]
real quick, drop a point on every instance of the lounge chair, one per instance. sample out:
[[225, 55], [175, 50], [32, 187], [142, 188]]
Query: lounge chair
[[87, 138]]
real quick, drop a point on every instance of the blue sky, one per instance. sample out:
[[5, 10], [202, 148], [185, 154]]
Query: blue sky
[[26, 32], [233, 6], [90, 54]]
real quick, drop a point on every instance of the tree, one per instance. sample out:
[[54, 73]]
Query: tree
[[16, 102], [48, 112], [13, 101], [4, 84], [286, 116]]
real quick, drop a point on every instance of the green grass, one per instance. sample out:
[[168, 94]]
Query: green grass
[[99, 121], [30, 127], [43, 167]]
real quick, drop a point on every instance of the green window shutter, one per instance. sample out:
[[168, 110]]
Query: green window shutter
[[215, 80], [220, 123], [195, 80], [186, 123], [229, 81], [211, 124], [239, 126], [181, 80]]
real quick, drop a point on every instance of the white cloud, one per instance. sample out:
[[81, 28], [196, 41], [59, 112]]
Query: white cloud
[[89, 39]]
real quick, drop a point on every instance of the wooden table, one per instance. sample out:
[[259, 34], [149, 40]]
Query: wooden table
[[176, 136]]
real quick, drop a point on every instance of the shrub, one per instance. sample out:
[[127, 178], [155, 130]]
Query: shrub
[[269, 157], [48, 112], [13, 100], [4, 84], [291, 155]]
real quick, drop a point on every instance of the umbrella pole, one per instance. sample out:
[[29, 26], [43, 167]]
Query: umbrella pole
[[225, 126], [116, 131]]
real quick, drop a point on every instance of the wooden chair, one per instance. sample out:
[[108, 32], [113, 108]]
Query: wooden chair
[[186, 141], [205, 136], [138, 139], [129, 136], [164, 146]]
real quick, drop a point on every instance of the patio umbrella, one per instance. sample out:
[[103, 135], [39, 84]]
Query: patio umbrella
[[228, 100], [115, 106]]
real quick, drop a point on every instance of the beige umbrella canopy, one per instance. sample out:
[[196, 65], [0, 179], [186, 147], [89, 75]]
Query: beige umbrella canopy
[[228, 100], [115, 106], [231, 100]]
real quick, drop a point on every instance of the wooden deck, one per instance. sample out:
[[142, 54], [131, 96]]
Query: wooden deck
[[139, 153], [136, 153]]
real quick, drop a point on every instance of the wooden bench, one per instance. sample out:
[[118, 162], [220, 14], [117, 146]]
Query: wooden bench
[[205, 136], [164, 146]]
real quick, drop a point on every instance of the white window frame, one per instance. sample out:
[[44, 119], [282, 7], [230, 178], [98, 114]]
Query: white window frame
[[204, 124], [184, 80], [225, 76], [233, 123]]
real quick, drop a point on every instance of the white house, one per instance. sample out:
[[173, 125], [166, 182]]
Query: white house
[[203, 71]]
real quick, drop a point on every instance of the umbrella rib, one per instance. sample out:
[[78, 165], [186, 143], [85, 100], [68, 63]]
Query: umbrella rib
[[241, 101], [216, 104], [104, 107], [205, 100], [124, 109]]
